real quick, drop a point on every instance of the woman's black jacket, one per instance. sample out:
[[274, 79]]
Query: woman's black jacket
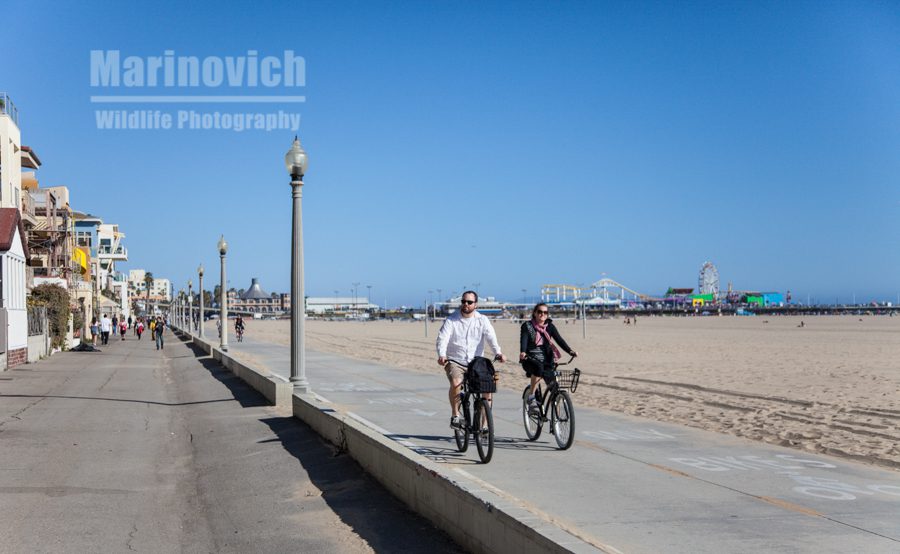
[[543, 352]]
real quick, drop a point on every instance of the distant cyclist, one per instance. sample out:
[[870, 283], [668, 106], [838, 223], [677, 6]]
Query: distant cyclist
[[537, 353], [461, 338], [239, 328]]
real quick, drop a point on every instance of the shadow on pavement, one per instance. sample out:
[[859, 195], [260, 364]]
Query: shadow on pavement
[[138, 401], [384, 522], [361, 502], [242, 392]]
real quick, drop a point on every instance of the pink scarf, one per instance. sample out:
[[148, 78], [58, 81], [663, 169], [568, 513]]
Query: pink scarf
[[541, 335]]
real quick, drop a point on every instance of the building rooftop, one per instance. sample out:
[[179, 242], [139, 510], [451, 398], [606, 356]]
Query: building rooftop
[[255, 292]]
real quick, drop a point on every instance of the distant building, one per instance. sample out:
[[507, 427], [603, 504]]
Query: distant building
[[160, 289], [333, 305], [256, 300]]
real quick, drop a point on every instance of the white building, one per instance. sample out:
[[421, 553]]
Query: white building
[[109, 251], [13, 312], [11, 154], [161, 289], [328, 305]]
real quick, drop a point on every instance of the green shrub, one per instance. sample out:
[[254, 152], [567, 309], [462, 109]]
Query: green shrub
[[56, 299]]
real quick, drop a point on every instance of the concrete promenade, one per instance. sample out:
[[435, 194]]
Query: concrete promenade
[[134, 449], [628, 484]]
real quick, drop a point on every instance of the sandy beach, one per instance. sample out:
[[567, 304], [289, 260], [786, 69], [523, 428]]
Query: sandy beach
[[832, 386]]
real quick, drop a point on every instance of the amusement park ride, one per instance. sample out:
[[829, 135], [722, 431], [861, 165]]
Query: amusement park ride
[[608, 292]]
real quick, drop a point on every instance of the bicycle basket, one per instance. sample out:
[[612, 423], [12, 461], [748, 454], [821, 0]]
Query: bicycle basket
[[569, 378]]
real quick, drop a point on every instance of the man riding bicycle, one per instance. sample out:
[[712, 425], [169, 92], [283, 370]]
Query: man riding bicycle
[[537, 353], [461, 338], [239, 327]]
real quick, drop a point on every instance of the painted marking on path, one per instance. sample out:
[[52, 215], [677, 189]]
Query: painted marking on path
[[351, 387], [396, 401], [423, 413], [636, 435], [786, 464]]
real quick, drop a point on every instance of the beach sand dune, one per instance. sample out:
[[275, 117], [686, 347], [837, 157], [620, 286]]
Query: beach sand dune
[[832, 386]]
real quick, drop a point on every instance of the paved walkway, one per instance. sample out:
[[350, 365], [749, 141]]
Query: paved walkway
[[630, 483], [133, 449]]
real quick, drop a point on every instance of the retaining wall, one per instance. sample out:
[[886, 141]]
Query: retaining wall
[[479, 518]]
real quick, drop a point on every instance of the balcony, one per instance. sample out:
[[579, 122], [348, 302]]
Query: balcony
[[7, 107], [119, 253], [28, 209]]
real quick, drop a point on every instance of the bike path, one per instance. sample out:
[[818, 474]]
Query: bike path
[[631, 484]]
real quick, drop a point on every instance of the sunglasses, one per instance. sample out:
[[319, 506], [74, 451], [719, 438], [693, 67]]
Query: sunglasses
[[468, 301], [543, 312]]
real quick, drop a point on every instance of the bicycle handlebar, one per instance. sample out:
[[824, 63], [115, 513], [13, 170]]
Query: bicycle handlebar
[[466, 366]]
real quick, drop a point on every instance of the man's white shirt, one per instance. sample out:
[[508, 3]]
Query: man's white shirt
[[462, 338], [105, 325]]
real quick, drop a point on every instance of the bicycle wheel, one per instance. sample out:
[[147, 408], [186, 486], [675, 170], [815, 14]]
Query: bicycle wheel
[[462, 435], [484, 430], [562, 419], [533, 424]]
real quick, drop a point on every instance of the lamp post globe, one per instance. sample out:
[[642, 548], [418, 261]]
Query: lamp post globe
[[223, 297], [296, 161]]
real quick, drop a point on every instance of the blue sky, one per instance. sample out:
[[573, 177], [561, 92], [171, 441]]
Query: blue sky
[[509, 144]]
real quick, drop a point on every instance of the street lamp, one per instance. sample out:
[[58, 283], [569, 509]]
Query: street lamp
[[223, 298], [181, 301], [200, 276], [190, 300], [296, 162], [369, 298]]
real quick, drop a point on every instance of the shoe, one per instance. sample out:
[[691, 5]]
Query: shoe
[[534, 408], [456, 423]]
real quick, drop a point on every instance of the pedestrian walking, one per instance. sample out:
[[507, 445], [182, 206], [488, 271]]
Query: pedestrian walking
[[105, 328], [158, 333], [139, 328], [115, 324], [123, 327], [95, 331]]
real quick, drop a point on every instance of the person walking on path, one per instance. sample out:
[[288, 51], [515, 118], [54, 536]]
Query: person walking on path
[[461, 338], [115, 324], [123, 328], [105, 328], [158, 333], [95, 330], [139, 328], [537, 353]]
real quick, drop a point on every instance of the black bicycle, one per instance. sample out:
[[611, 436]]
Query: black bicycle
[[555, 406], [477, 420]]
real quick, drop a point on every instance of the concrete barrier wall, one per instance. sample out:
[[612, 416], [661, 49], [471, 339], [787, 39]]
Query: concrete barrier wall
[[479, 518]]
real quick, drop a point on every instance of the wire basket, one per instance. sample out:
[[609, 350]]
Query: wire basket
[[568, 378]]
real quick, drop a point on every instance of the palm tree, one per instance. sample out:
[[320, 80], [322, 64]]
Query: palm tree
[[148, 282]]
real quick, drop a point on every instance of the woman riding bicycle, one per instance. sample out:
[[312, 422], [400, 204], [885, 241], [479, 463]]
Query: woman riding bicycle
[[537, 353]]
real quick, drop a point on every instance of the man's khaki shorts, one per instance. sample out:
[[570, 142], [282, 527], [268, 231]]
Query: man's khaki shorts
[[454, 372]]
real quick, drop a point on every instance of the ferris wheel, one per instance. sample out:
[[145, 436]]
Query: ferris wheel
[[708, 283]]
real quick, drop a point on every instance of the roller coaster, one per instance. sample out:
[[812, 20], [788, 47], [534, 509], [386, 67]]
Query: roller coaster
[[605, 292]]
